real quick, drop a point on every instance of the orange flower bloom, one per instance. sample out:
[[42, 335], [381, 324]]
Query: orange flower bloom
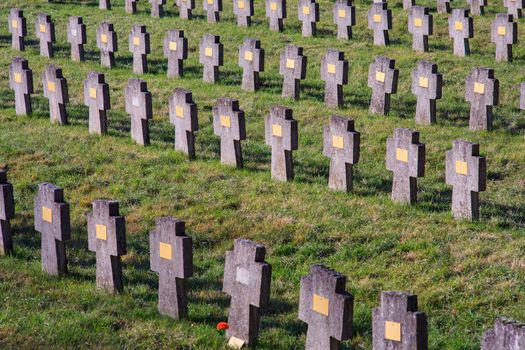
[[222, 326]]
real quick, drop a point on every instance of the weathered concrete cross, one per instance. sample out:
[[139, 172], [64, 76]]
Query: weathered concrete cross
[[477, 7], [461, 28], [276, 12], [281, 135], [243, 10], [514, 7], [45, 32], [21, 81], [506, 335], [229, 125], [96, 97], [382, 78], [292, 66], [157, 8], [183, 115], [76, 36], [176, 51], [443, 6], [104, 4], [107, 43], [420, 24], [55, 89], [7, 212], [344, 18], [334, 72], [380, 21], [213, 9], [140, 109], [251, 60], [427, 85], [17, 28], [185, 8], [482, 91], [504, 33], [139, 46], [308, 13], [211, 55], [131, 6]]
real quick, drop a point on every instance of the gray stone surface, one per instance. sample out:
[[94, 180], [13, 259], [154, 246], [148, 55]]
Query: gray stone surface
[[171, 255], [504, 33], [334, 72], [477, 7], [420, 24], [247, 279], [183, 115], [443, 6], [130, 6], [407, 4], [292, 66], [251, 60], [139, 46], [308, 13], [176, 51], [507, 334], [18, 29], [243, 11], [185, 8], [213, 10], [7, 212], [52, 221], [104, 4], [55, 90], [76, 36], [482, 92], [396, 323], [45, 32], [382, 78], [344, 17], [107, 238], [522, 96], [21, 81], [405, 157], [427, 85], [96, 97], [461, 28], [380, 21], [466, 172], [229, 124], [140, 109], [107, 43], [211, 56], [514, 7], [157, 8], [276, 12], [281, 135], [326, 307], [342, 145]]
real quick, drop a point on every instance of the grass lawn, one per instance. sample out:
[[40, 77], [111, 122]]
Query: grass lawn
[[465, 274]]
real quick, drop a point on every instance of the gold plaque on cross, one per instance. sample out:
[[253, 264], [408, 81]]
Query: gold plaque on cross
[[225, 121], [461, 167], [458, 25], [479, 88], [92, 92], [103, 38], [47, 214], [235, 343], [18, 78], [330, 68], [423, 82], [290, 63], [136, 41], [393, 331], [51, 86], [210, 2], [277, 130], [101, 232], [14, 24], [402, 155], [377, 18], [248, 56], [165, 251], [179, 112], [306, 10], [240, 4], [208, 52], [418, 22], [380, 76], [338, 142], [42, 28], [321, 305], [273, 6], [173, 46], [502, 30], [341, 13]]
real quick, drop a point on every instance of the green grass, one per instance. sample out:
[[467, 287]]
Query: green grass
[[465, 274]]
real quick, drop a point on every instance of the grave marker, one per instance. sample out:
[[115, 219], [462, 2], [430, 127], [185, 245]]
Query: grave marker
[[282, 136], [292, 66], [477, 7], [139, 46], [522, 96], [7, 212], [344, 17], [482, 92], [45, 32], [76, 36], [183, 115], [211, 55], [213, 9], [229, 125], [514, 7], [420, 24], [427, 85], [334, 72], [308, 13], [140, 109], [251, 60], [21, 81], [380, 21], [185, 8], [157, 8], [504, 33], [96, 97], [55, 89], [176, 51], [407, 4], [17, 28], [130, 6], [243, 10], [506, 335], [443, 6], [107, 43], [276, 12], [382, 78], [104, 5], [461, 28]]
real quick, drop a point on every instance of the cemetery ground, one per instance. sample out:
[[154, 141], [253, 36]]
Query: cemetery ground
[[465, 274]]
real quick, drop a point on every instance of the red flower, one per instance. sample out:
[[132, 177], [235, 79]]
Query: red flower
[[222, 327]]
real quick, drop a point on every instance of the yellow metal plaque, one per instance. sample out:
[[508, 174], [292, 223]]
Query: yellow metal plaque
[[210, 2], [42, 28], [418, 22], [179, 112], [338, 142], [225, 121], [248, 56], [423, 82], [306, 10], [380, 76], [502, 30], [165, 251], [235, 343], [377, 18], [461, 167], [330, 68], [92, 92], [51, 86], [290, 63], [273, 6], [458, 25], [479, 88], [14, 24], [136, 41], [277, 130], [240, 4], [47, 214], [321, 305], [393, 331], [173, 46], [18, 78], [341, 13], [101, 232], [208, 52], [103, 38], [402, 155]]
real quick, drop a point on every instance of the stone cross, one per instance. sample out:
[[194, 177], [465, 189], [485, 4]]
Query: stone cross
[[213, 9], [185, 8], [326, 307], [380, 21], [344, 18], [396, 323], [229, 125], [341, 144], [334, 72], [276, 12], [17, 28], [477, 7], [55, 89], [104, 4], [52, 221], [292, 66], [107, 43], [211, 55], [45, 32], [157, 9], [308, 12], [139, 46], [107, 238], [171, 255], [251, 60], [243, 10], [407, 4], [506, 335], [76, 36], [21, 81], [183, 115], [443, 6], [176, 51], [282, 136], [405, 157], [130, 6], [382, 78], [504, 33], [482, 91], [96, 97], [522, 96], [247, 279], [466, 171], [7, 212], [461, 28], [514, 7], [420, 24], [427, 85], [140, 108]]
